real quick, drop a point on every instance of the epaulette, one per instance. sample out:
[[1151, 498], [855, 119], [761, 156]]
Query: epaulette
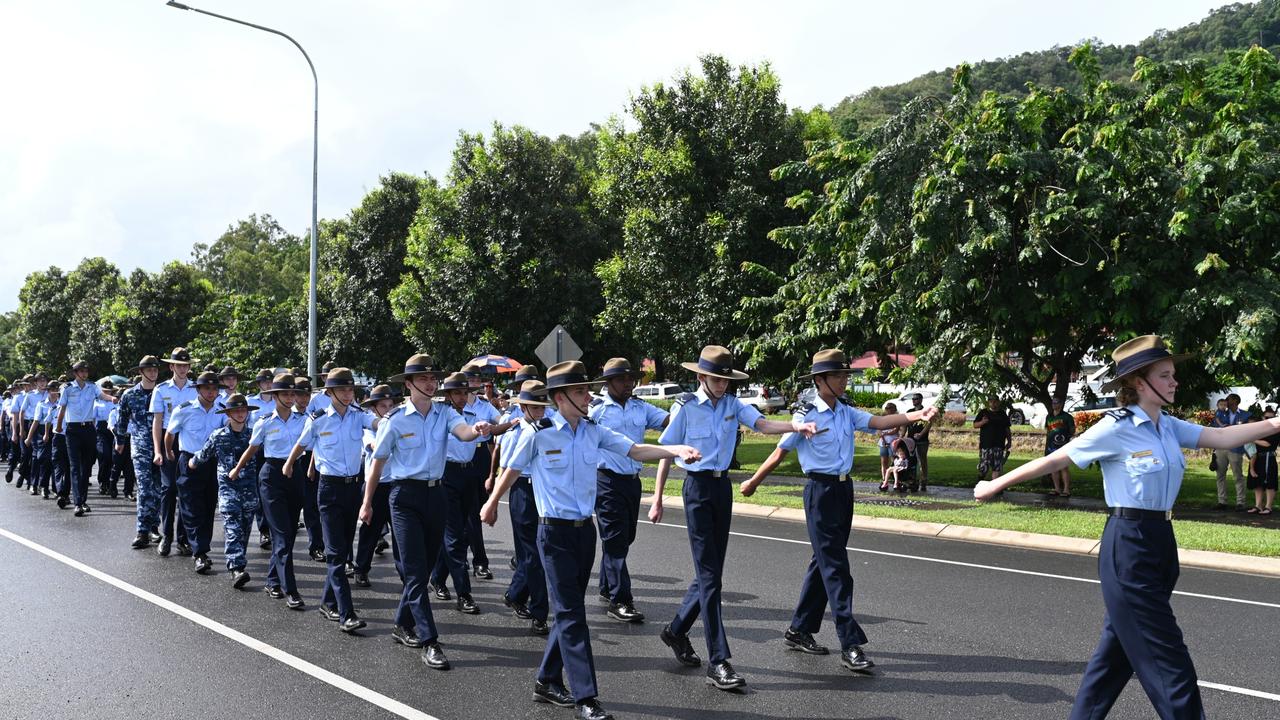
[[188, 403], [317, 414], [542, 424], [589, 420], [1119, 414], [482, 398], [595, 402], [684, 398], [845, 399], [804, 408]]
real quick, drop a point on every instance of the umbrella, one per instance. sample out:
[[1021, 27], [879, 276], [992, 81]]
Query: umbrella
[[497, 363], [116, 380]]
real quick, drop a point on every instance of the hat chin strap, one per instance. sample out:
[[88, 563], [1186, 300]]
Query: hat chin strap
[[706, 387], [1152, 388]]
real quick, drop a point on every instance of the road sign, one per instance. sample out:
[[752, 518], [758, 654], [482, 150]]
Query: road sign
[[557, 347]]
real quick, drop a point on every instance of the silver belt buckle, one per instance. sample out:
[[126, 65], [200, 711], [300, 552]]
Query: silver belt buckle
[[1168, 515]]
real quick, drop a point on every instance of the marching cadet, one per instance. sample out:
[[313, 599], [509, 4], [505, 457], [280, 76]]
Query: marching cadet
[[48, 457], [229, 378], [461, 497], [477, 464], [261, 381], [334, 436], [826, 459], [1139, 448], [410, 447], [237, 499], [6, 432], [526, 595], [618, 483], [27, 415], [320, 401], [122, 448], [380, 401], [164, 398], [560, 456], [135, 421], [104, 443], [311, 481], [191, 425], [708, 420], [13, 426], [280, 493]]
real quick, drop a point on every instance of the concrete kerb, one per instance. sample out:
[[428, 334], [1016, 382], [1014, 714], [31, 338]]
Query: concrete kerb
[[1228, 562]]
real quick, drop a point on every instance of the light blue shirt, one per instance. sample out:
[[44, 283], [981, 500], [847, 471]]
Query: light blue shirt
[[474, 411], [631, 420], [265, 407], [319, 403], [712, 429], [34, 398], [561, 461], [46, 413], [193, 425], [113, 419], [277, 435], [102, 410], [168, 396], [78, 400], [336, 439], [368, 437], [508, 440], [414, 444], [831, 452], [1142, 465]]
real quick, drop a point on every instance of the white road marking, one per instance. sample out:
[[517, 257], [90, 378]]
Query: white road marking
[[1240, 690], [370, 696]]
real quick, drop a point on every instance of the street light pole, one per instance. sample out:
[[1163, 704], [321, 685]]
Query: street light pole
[[315, 177]]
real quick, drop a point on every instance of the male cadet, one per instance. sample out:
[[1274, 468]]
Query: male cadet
[[190, 425], [708, 420], [320, 401], [307, 471], [262, 381], [135, 422], [168, 395], [618, 483], [560, 454], [236, 498], [477, 462], [826, 458], [334, 438], [27, 416], [229, 379], [526, 595], [410, 447], [511, 415], [380, 401], [48, 457], [103, 443], [6, 433], [12, 418], [121, 448]]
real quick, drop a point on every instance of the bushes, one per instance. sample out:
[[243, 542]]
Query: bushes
[[1086, 420], [952, 418], [868, 399]]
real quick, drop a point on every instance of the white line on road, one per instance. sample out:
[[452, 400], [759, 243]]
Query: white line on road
[[297, 663]]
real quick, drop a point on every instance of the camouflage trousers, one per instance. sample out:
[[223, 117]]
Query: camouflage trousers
[[238, 502], [148, 475]]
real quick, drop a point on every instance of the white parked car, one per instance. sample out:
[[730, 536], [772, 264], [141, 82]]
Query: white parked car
[[764, 398], [658, 391]]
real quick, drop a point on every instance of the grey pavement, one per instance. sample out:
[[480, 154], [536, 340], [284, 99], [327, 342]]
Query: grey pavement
[[952, 639]]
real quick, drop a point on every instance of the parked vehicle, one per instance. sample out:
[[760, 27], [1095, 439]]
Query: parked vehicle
[[805, 397], [1101, 403], [658, 391], [764, 398]]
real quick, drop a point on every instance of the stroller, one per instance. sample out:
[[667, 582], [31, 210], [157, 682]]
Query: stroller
[[904, 469]]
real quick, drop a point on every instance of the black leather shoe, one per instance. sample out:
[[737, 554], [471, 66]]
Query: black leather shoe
[[264, 542], [239, 578], [466, 605], [130, 496], [625, 612], [351, 624], [155, 537], [203, 565], [329, 613], [482, 572], [102, 489], [856, 660], [8, 477], [680, 646], [86, 508], [802, 641], [434, 657], [405, 637], [724, 677], [381, 546], [539, 627], [63, 502], [513, 563], [294, 601], [184, 549], [518, 609], [604, 598], [79, 511], [163, 548], [361, 580], [441, 592], [590, 710], [141, 541], [317, 555], [349, 569], [273, 592], [553, 693]]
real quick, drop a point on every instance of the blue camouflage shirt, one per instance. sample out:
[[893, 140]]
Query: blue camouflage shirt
[[226, 446], [134, 418]]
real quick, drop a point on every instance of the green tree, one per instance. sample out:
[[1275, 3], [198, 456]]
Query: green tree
[[11, 366], [155, 312], [93, 285], [502, 253], [43, 329], [691, 186], [250, 332], [256, 256]]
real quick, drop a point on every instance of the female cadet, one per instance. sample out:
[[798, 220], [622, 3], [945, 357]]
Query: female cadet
[[560, 455], [380, 401], [1139, 448], [281, 494], [526, 595], [307, 470]]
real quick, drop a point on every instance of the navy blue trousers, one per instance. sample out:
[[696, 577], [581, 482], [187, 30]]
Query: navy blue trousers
[[281, 498], [529, 581], [169, 503], [338, 503], [461, 496], [417, 524], [1138, 567], [198, 500], [828, 513], [708, 511], [617, 512], [105, 449], [311, 506], [26, 455], [479, 470], [370, 534], [56, 466], [82, 452], [37, 456], [567, 555]]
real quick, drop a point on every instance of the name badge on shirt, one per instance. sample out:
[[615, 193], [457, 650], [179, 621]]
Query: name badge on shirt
[[553, 452], [273, 431], [407, 435], [325, 434], [1142, 454]]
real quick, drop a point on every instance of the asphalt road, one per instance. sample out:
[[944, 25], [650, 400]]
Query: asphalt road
[[952, 640]]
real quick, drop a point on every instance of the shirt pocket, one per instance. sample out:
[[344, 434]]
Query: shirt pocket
[[1145, 475], [589, 455], [556, 459], [699, 428], [409, 440]]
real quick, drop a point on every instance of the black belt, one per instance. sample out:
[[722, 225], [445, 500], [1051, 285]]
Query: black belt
[[825, 477], [618, 475], [707, 474], [82, 423], [426, 482], [1137, 514], [459, 464], [560, 522], [343, 479], [274, 462]]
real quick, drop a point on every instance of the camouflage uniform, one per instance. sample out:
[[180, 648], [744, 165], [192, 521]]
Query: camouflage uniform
[[134, 421], [238, 500]]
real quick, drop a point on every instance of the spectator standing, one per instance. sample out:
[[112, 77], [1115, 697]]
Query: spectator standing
[[1059, 428], [1262, 473], [994, 439], [919, 432], [1234, 457], [886, 438]]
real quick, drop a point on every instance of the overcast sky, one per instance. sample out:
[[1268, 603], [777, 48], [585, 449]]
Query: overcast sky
[[131, 130]]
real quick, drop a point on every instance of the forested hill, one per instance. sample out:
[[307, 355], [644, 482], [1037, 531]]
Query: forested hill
[[1236, 26]]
